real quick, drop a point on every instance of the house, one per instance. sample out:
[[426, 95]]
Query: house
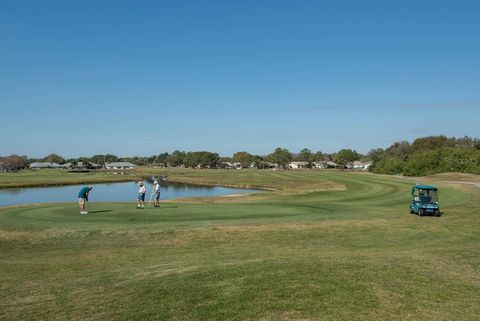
[[263, 165], [43, 165], [120, 165], [297, 165], [230, 165], [68, 166], [80, 165], [94, 166], [360, 165], [324, 164]]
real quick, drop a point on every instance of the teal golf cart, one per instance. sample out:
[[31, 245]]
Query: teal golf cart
[[424, 200]]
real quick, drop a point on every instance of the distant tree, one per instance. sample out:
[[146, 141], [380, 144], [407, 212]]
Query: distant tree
[[440, 160], [465, 141], [13, 163], [162, 159], [226, 159], [190, 160], [476, 143], [177, 158], [400, 150], [260, 164], [281, 157], [150, 160], [109, 158], [84, 159], [244, 158], [104, 159], [318, 156], [207, 159], [305, 155], [376, 154], [258, 158], [54, 158], [202, 159], [392, 165], [431, 142], [345, 156], [98, 159], [143, 161], [329, 157], [72, 161]]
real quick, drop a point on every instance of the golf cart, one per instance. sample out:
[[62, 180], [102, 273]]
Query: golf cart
[[425, 200]]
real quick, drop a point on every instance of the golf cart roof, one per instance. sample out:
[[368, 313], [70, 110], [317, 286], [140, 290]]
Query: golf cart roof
[[427, 187]]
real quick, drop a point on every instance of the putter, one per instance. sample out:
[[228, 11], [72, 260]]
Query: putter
[[150, 202]]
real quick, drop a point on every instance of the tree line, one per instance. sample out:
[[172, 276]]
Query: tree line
[[280, 157], [427, 156], [424, 156]]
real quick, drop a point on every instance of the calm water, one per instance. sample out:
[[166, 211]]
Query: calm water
[[119, 192]]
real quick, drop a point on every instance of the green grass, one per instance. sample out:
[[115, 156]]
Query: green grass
[[47, 177], [343, 249]]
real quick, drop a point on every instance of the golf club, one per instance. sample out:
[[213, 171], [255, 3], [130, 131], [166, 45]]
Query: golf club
[[150, 202]]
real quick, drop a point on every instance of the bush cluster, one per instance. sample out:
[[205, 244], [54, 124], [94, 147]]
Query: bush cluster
[[427, 156]]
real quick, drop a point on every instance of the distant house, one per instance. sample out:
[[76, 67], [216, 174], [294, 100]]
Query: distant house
[[271, 165], [43, 165], [230, 165], [324, 164], [120, 165], [297, 165], [80, 165], [94, 166], [360, 165], [68, 165]]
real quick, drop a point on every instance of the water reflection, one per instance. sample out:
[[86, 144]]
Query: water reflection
[[175, 186], [13, 191]]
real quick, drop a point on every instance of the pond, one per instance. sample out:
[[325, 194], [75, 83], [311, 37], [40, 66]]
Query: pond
[[111, 192]]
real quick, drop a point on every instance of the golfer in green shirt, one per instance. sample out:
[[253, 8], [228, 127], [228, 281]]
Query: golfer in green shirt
[[83, 198]]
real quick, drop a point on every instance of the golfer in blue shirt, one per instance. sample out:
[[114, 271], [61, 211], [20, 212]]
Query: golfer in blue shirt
[[83, 198]]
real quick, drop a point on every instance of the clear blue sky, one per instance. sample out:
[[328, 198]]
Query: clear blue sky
[[143, 77]]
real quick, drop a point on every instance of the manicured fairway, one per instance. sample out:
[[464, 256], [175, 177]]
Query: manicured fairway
[[327, 246]]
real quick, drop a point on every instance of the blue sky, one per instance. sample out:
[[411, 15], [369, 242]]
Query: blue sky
[[142, 77]]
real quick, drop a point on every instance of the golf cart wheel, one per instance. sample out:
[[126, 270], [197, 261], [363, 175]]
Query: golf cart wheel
[[412, 211], [437, 213], [421, 212]]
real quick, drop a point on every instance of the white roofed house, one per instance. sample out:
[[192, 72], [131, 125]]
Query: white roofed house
[[68, 165], [80, 165], [120, 165], [297, 165], [94, 165], [360, 165], [324, 164], [43, 165], [231, 165]]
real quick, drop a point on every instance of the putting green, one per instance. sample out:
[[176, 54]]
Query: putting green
[[337, 253]]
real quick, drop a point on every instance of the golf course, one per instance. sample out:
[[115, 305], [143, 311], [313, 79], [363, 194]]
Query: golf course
[[309, 245]]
